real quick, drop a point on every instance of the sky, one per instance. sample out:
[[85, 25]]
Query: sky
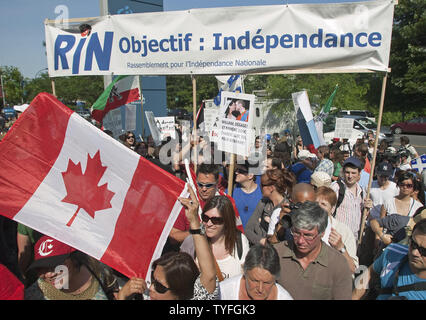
[[22, 28]]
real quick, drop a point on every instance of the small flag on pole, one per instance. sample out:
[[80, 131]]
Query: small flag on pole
[[122, 90]]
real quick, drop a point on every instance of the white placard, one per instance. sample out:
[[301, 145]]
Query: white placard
[[231, 40], [166, 126], [235, 125], [344, 127]]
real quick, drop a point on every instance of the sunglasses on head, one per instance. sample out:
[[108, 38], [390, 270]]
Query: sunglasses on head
[[157, 285], [207, 185], [415, 246], [214, 220]]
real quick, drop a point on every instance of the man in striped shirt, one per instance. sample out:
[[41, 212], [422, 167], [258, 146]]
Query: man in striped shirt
[[350, 210]]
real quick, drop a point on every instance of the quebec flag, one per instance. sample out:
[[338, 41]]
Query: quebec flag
[[233, 84], [419, 164]]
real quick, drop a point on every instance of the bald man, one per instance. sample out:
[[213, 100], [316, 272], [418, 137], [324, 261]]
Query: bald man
[[301, 192]]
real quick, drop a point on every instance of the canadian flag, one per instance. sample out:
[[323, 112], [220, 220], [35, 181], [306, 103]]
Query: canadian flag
[[64, 177]]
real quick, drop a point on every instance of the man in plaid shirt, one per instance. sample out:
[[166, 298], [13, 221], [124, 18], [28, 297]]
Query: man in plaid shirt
[[325, 164]]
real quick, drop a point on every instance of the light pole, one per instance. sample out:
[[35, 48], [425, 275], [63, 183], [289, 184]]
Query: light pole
[[2, 91]]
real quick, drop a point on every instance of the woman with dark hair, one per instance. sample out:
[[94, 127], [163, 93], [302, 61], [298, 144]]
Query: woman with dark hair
[[403, 204], [336, 155], [277, 185], [175, 276], [258, 282], [228, 244]]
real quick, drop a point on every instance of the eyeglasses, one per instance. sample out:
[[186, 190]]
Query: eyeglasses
[[205, 185], [415, 246], [157, 285], [307, 237], [128, 137], [238, 171], [214, 220], [406, 185], [265, 184]]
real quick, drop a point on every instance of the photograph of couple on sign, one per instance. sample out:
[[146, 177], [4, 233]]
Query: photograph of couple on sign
[[238, 109]]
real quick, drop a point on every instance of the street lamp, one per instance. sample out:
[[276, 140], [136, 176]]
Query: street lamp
[[37, 74]]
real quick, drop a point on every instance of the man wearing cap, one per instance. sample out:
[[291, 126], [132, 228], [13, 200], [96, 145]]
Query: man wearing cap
[[349, 211], [325, 164], [67, 274], [320, 179]]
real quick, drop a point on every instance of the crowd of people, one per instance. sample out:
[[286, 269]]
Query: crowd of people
[[297, 225]]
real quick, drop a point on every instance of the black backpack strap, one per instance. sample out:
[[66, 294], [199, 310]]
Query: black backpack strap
[[341, 195]]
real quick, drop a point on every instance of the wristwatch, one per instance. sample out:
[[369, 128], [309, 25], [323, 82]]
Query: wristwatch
[[201, 230], [342, 250]]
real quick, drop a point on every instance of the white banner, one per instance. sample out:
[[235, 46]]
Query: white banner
[[232, 40]]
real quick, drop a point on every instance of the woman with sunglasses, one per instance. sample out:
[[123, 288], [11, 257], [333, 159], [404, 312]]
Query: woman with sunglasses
[[228, 244], [175, 276], [276, 186], [404, 203], [129, 140]]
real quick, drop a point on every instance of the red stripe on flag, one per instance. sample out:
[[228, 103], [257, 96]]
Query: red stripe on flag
[[149, 201], [126, 97], [29, 150]]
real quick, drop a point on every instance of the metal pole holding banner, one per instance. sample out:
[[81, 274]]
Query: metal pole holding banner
[[373, 161]]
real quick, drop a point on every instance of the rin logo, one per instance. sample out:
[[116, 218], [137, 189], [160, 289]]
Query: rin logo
[[46, 248]]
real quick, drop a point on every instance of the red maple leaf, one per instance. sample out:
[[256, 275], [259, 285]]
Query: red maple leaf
[[82, 189]]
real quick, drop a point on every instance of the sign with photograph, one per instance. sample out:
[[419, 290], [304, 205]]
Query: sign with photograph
[[235, 132]]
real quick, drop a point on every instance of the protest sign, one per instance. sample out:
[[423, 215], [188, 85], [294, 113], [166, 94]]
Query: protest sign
[[166, 125], [344, 128], [235, 134]]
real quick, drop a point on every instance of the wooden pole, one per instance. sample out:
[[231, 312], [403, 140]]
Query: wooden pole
[[231, 174], [194, 115], [53, 87], [373, 161], [142, 115]]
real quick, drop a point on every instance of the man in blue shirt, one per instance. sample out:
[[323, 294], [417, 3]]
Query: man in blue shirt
[[247, 192], [402, 270]]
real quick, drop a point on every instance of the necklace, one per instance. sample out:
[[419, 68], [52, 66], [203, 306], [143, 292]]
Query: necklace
[[51, 293]]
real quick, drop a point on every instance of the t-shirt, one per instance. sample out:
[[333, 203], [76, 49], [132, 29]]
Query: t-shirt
[[387, 265], [232, 265], [337, 169], [390, 207], [303, 174], [230, 289], [246, 202], [379, 195]]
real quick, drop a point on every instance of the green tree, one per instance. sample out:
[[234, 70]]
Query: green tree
[[179, 90], [12, 82], [407, 87]]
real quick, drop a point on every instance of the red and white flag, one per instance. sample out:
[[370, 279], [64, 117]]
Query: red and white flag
[[64, 177]]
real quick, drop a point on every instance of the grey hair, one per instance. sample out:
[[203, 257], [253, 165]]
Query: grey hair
[[263, 256], [308, 216]]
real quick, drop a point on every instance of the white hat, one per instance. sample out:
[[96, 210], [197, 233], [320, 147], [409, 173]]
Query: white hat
[[320, 178], [21, 108], [303, 154]]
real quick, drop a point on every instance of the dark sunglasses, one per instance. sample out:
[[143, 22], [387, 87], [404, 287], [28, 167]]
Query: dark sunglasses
[[157, 285], [128, 137], [266, 184], [207, 185], [239, 171], [214, 220], [415, 246], [407, 185]]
